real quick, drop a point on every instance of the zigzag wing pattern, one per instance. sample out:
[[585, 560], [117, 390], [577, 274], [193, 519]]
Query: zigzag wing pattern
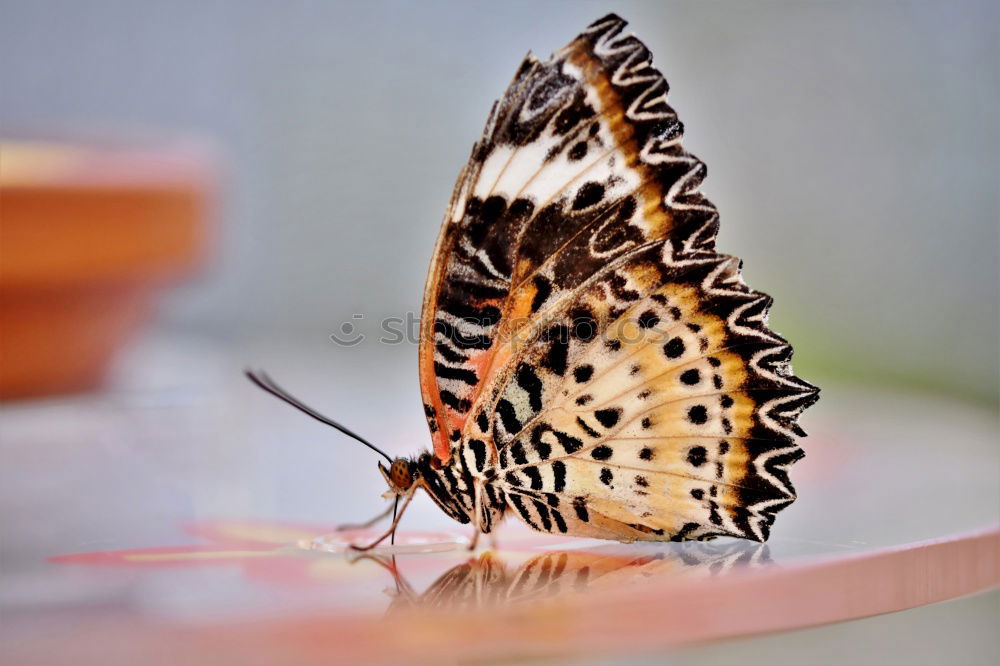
[[658, 405], [580, 162]]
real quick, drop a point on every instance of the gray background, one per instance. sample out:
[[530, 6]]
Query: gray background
[[852, 146]]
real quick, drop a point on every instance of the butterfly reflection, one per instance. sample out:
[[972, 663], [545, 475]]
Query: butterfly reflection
[[487, 581]]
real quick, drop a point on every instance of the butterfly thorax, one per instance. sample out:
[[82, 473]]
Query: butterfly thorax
[[451, 485]]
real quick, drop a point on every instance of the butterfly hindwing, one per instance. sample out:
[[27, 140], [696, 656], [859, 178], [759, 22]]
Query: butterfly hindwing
[[671, 416]]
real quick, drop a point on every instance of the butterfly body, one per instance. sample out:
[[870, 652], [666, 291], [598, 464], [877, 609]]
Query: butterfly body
[[453, 486]]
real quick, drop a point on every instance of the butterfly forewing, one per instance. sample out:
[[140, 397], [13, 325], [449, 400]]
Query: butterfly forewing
[[580, 162]]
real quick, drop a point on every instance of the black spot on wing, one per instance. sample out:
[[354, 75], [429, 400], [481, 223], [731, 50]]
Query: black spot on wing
[[648, 319], [674, 348], [584, 324], [492, 209], [684, 532], [534, 476], [619, 286], [531, 384], [608, 417], [518, 454], [559, 521], [521, 208], [542, 448], [589, 194], [508, 417], [698, 415], [577, 152], [713, 516], [543, 289], [558, 352], [697, 456], [569, 443], [559, 476], [431, 418], [479, 449], [601, 452], [586, 428], [572, 116]]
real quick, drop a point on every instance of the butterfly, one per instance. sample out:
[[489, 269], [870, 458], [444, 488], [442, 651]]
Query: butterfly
[[588, 362]]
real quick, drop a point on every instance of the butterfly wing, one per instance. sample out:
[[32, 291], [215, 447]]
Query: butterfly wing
[[580, 162], [670, 415]]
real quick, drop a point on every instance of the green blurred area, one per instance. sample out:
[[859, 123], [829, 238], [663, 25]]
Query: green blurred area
[[821, 359]]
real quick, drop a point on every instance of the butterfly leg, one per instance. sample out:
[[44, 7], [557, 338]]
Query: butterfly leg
[[392, 529], [477, 516], [368, 523]]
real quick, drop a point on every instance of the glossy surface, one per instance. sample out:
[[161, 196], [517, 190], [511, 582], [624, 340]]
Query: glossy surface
[[179, 505]]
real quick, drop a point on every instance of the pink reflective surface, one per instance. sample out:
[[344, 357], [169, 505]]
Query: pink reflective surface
[[180, 505]]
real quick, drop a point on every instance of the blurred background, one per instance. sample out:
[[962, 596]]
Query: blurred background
[[852, 148], [301, 155]]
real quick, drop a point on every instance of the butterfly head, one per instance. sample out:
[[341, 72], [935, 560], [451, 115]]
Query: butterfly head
[[400, 475]]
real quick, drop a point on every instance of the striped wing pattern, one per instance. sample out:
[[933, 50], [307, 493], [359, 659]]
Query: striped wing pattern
[[673, 416], [579, 162], [587, 357]]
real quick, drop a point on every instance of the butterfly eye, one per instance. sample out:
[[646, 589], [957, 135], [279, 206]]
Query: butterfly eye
[[399, 474]]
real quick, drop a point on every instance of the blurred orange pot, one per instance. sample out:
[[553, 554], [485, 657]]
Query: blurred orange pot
[[88, 235]]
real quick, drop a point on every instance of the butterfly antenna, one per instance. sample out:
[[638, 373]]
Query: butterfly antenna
[[266, 383]]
